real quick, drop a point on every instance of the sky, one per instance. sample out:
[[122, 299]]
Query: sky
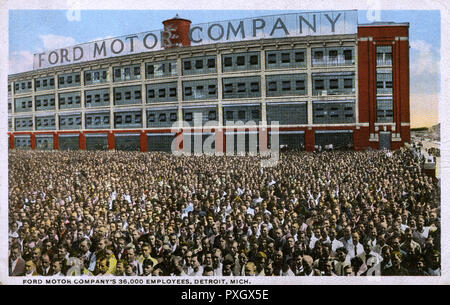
[[34, 31]]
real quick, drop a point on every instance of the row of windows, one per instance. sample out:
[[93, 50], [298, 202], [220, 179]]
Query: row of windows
[[333, 83], [284, 114], [339, 139], [207, 64], [335, 56], [330, 113]]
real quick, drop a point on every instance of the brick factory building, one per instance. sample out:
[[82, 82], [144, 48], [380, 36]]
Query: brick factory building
[[324, 78]]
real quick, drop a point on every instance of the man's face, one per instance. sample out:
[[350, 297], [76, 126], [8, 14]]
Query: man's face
[[268, 270], [291, 242], [35, 255], [152, 239], [29, 267], [226, 271], [146, 251], [328, 267], [56, 266], [101, 244], [148, 269], [195, 262], [396, 260], [131, 254], [249, 270], [84, 246], [341, 256], [348, 271], [279, 233], [216, 259], [15, 253], [396, 243], [208, 259], [45, 261], [188, 258], [355, 238], [173, 239]]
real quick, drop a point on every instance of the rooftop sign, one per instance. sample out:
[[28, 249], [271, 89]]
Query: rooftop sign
[[277, 26]]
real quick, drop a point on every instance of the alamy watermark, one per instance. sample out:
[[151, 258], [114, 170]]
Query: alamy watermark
[[240, 139]]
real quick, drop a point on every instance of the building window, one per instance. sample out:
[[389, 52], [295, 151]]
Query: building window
[[348, 55], [187, 65], [319, 84], [299, 85], [332, 55], [285, 58], [272, 86], [211, 63], [162, 117], [228, 62], [348, 83], [334, 84], [255, 114], [241, 115], [286, 85], [299, 57], [253, 60], [212, 115], [240, 60], [228, 88], [254, 87], [272, 58], [212, 89], [199, 64]]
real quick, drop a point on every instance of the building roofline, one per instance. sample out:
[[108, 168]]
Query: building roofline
[[188, 49], [383, 23]]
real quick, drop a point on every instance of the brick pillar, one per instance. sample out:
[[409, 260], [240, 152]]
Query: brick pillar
[[11, 141], [110, 140], [220, 141], [144, 141], [82, 141], [309, 140], [55, 141], [33, 141]]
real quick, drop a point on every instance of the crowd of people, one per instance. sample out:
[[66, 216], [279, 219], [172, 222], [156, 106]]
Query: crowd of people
[[332, 213]]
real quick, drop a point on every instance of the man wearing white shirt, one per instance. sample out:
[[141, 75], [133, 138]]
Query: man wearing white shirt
[[335, 244], [196, 269], [354, 248], [347, 238]]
